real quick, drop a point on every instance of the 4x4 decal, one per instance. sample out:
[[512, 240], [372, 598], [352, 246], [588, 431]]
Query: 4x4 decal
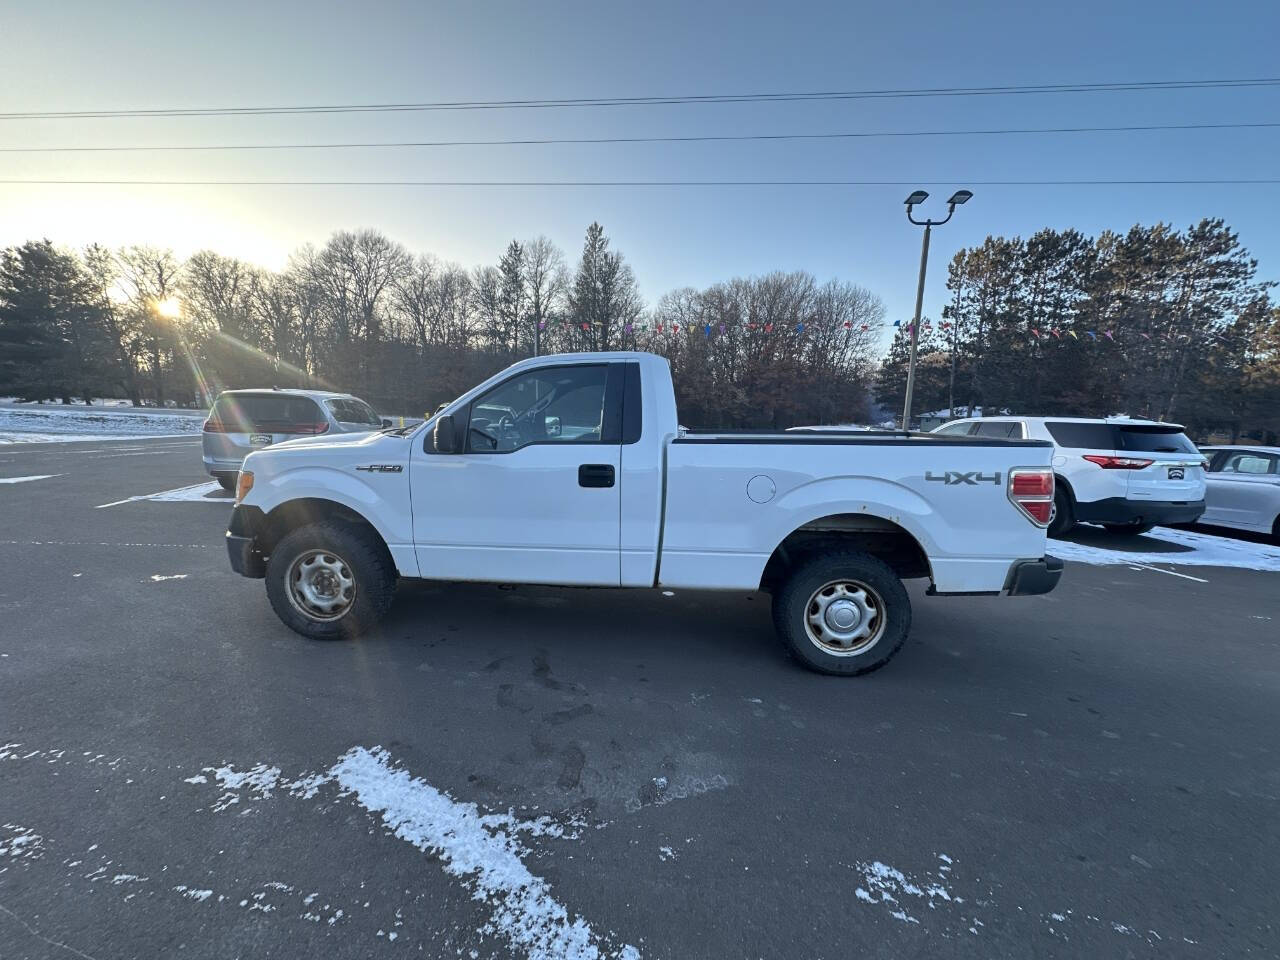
[[954, 477]]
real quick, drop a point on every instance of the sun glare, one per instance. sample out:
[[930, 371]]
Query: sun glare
[[169, 307]]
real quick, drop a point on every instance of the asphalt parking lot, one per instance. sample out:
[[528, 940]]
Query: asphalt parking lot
[[546, 772]]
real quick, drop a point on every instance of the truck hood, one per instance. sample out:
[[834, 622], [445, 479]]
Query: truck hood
[[327, 439], [337, 450]]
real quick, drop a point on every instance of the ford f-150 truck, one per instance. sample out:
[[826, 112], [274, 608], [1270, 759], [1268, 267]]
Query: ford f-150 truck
[[573, 470]]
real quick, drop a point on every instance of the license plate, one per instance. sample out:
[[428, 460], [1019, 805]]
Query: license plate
[[1176, 473], [264, 440]]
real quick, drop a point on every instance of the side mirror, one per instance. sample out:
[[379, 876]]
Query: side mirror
[[446, 435], [386, 423], [553, 426]]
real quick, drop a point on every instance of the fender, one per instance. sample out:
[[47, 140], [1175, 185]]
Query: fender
[[880, 498], [381, 498]]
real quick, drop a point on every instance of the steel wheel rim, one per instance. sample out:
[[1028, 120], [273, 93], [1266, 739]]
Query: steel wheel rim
[[845, 618], [321, 585]]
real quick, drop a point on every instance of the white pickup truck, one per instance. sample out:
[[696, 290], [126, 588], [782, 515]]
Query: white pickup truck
[[573, 470]]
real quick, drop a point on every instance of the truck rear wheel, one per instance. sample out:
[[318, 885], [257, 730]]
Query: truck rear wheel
[[843, 613], [330, 580]]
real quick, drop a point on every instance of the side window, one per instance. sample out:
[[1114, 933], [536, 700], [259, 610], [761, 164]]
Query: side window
[[1001, 429], [1250, 463], [1082, 436], [353, 411], [959, 427], [548, 405]]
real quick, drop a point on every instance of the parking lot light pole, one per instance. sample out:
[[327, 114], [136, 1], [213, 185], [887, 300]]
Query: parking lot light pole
[[919, 196]]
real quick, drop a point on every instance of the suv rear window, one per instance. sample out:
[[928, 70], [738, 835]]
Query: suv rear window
[[1154, 439], [265, 411], [1082, 436], [353, 411]]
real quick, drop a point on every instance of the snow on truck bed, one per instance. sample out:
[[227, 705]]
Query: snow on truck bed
[[59, 424]]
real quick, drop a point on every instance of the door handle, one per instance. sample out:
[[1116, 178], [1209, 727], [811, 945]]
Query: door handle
[[595, 475]]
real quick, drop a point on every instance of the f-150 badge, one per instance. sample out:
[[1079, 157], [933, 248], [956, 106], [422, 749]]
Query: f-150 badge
[[382, 468]]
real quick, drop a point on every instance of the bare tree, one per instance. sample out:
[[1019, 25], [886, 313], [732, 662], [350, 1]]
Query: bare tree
[[546, 280]]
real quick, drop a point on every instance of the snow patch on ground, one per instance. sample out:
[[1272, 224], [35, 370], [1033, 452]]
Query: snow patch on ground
[[19, 843], [1197, 549], [193, 894], [72, 424], [487, 860], [899, 894], [160, 577]]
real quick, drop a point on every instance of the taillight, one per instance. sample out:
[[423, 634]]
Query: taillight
[[311, 429], [1031, 491], [1118, 463]]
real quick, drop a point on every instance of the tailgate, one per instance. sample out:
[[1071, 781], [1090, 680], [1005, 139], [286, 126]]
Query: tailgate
[[1176, 471]]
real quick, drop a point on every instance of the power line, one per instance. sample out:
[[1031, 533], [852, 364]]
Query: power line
[[703, 138], [1008, 90], [1222, 181]]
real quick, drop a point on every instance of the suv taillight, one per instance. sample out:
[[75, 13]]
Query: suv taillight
[[310, 429], [214, 426], [1031, 491], [1118, 463]]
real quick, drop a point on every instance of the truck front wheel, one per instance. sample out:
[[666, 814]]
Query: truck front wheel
[[330, 580], [843, 613]]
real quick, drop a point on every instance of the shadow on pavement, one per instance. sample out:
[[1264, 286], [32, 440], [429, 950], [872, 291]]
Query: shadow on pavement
[[1091, 536]]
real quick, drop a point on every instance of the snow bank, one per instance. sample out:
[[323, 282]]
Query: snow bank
[[1174, 547], [68, 424]]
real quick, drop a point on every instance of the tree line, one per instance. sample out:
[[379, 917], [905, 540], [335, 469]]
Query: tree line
[[1156, 322], [406, 332]]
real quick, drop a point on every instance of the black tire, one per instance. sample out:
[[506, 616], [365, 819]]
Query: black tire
[[227, 482], [1128, 529], [352, 549], [887, 597], [1064, 514]]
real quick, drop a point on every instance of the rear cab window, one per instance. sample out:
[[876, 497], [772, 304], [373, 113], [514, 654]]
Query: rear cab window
[[267, 413]]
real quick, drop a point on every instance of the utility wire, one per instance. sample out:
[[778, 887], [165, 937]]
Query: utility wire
[[707, 138], [1008, 90], [1220, 181]]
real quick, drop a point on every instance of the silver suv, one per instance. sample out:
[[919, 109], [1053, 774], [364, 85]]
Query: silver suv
[[242, 421]]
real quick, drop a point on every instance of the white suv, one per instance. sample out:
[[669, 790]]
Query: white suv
[[1127, 475]]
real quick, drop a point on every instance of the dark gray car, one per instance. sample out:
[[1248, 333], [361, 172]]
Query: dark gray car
[[242, 421]]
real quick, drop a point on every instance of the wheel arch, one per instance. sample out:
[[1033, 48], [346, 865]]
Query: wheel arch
[[292, 514], [874, 535]]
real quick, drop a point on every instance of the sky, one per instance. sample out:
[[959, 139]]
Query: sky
[[123, 55]]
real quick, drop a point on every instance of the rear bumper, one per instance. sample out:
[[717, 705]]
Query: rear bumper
[[1123, 510], [1030, 577], [242, 542]]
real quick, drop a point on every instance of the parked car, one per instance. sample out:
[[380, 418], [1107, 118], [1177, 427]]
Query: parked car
[[242, 421], [1127, 475], [573, 470], [1242, 488]]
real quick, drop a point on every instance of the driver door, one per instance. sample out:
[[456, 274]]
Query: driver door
[[533, 497]]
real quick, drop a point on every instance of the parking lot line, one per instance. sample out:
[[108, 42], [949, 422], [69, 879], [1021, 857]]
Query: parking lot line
[[177, 493], [41, 476], [1172, 573]]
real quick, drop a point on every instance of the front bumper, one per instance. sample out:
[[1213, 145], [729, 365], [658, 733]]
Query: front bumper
[[242, 542], [1123, 510], [1030, 577]]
